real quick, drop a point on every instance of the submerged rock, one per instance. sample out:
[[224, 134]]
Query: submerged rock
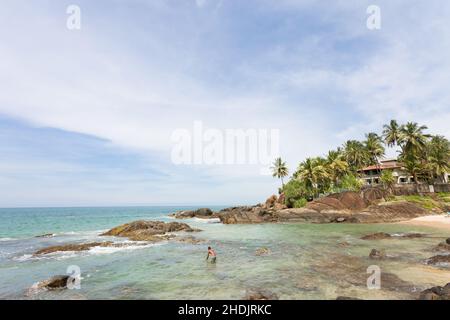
[[436, 293], [54, 283], [377, 236], [147, 230], [439, 260], [443, 246], [46, 235], [377, 254], [347, 298], [262, 251], [260, 295], [384, 235]]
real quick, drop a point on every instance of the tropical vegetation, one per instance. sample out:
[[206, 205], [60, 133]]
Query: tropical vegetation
[[425, 157]]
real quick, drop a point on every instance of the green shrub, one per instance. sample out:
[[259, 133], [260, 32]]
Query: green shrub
[[351, 182], [294, 190], [300, 203]]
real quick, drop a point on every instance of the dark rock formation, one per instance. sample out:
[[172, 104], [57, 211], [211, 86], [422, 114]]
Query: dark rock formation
[[73, 247], [436, 293], [377, 254], [47, 235], [203, 213], [447, 241], [347, 298], [383, 235], [147, 230], [256, 214]]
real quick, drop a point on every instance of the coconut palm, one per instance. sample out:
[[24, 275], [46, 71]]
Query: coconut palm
[[313, 173], [355, 154], [336, 165], [388, 179], [438, 160], [279, 170], [391, 133], [374, 147], [413, 140]]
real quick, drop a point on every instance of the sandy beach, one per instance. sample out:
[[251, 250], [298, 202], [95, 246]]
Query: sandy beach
[[436, 221]]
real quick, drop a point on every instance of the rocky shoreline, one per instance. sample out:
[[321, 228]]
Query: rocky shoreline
[[369, 206]]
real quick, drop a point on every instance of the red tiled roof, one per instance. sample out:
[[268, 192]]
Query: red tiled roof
[[384, 165]]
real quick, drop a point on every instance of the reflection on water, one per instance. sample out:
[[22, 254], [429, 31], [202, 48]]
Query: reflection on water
[[306, 261]]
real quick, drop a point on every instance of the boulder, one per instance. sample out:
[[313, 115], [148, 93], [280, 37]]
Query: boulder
[[377, 254], [282, 199], [443, 246], [270, 202], [347, 298], [147, 230], [262, 251], [447, 241], [436, 293], [54, 283], [256, 214]]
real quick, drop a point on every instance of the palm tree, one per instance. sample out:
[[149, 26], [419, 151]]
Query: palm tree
[[412, 139], [374, 146], [313, 173], [279, 170], [355, 154], [336, 165], [388, 179], [391, 133], [438, 160], [413, 166]]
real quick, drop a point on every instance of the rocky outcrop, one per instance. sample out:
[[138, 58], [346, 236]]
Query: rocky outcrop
[[436, 293], [256, 214], [147, 230], [443, 246], [348, 207], [73, 247], [202, 213]]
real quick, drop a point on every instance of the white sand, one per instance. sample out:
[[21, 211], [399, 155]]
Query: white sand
[[437, 221]]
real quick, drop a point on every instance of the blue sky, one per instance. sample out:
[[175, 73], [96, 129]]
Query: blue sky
[[86, 116]]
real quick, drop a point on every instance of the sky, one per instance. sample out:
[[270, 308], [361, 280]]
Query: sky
[[87, 116]]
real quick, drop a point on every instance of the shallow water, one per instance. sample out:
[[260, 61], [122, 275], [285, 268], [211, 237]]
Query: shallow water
[[306, 261]]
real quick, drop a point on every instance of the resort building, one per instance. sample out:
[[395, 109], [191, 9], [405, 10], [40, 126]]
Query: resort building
[[372, 174]]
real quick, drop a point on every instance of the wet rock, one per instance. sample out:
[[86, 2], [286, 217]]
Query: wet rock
[[377, 236], [436, 293], [260, 295], [255, 214], [203, 213], [439, 260], [377, 254], [54, 283], [447, 241], [147, 230], [347, 298], [262, 251], [46, 235], [73, 247]]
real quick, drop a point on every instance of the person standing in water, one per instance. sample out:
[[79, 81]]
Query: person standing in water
[[212, 254]]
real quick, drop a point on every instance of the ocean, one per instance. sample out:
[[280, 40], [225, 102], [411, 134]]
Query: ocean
[[306, 261]]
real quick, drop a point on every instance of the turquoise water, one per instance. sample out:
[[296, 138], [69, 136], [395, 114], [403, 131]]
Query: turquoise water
[[306, 261]]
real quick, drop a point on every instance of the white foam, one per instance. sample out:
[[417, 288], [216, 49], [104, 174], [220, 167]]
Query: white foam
[[210, 220], [7, 239]]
